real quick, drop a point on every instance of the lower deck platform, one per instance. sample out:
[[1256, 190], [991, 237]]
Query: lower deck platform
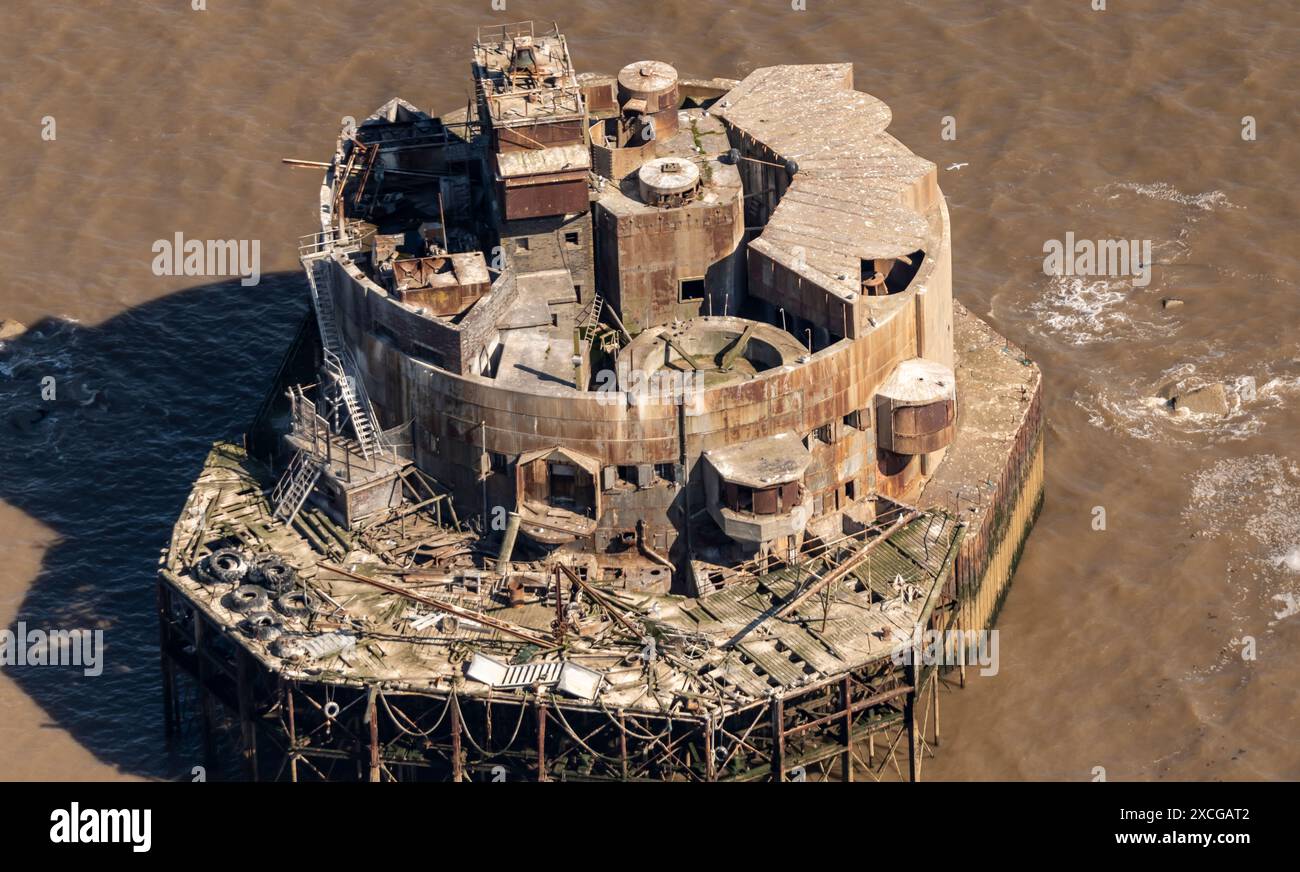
[[403, 648]]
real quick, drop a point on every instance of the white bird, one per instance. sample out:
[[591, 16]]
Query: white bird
[[958, 166]]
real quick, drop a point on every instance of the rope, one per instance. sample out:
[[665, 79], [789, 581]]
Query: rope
[[415, 730], [486, 754], [559, 713], [633, 733]]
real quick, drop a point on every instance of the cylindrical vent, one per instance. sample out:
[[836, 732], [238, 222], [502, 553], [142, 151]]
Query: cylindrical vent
[[667, 180], [652, 82]]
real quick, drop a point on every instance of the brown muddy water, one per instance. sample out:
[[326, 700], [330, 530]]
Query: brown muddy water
[[1120, 648]]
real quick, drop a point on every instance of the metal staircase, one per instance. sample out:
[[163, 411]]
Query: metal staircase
[[293, 487], [339, 365]]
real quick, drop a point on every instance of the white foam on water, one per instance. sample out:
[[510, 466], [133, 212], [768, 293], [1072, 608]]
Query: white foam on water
[[1291, 559], [1206, 202], [1131, 405], [1083, 310], [1253, 504]]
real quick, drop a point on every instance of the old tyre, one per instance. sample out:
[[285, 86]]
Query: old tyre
[[297, 604], [272, 573], [246, 598], [228, 565], [202, 573], [262, 626]]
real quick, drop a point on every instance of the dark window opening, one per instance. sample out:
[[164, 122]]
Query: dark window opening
[[858, 420], [872, 282], [570, 487], [737, 497], [904, 270], [571, 239], [563, 483], [774, 500], [666, 471], [692, 289], [889, 275]]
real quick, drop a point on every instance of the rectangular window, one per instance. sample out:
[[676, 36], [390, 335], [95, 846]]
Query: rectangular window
[[521, 245], [563, 483], [691, 290], [571, 239], [859, 420]]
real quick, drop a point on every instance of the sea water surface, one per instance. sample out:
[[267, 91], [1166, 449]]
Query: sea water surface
[[1120, 648]]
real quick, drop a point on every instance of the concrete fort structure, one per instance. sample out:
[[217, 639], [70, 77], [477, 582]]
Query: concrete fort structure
[[765, 245], [633, 410]]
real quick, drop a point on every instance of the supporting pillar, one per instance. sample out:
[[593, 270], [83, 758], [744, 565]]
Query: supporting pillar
[[247, 729], [541, 740], [710, 764], [909, 722], [171, 721], [457, 769], [778, 738], [372, 716], [289, 689], [622, 740], [205, 700], [934, 705], [846, 697]]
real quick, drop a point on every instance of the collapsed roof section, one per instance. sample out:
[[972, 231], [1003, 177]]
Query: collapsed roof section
[[856, 194]]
